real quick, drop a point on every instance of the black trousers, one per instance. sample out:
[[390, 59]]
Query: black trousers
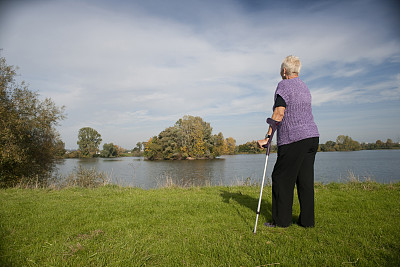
[[294, 166]]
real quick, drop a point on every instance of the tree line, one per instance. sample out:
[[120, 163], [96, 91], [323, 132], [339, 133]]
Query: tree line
[[183, 141], [89, 141], [252, 148], [189, 138], [343, 143], [346, 143]]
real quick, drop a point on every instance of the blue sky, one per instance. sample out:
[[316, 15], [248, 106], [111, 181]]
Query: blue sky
[[129, 69]]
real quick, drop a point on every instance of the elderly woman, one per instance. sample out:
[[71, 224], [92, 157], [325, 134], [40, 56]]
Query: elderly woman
[[297, 140]]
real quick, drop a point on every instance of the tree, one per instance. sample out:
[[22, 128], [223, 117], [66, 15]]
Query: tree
[[250, 147], [194, 136], [138, 147], [60, 149], [379, 144], [109, 151], [153, 150], [328, 146], [345, 143], [138, 150], [88, 140], [218, 144], [120, 150], [168, 139], [389, 143], [230, 145], [29, 142]]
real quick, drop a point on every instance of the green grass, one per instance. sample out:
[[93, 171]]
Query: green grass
[[357, 224]]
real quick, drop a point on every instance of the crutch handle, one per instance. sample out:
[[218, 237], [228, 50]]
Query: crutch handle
[[274, 126]]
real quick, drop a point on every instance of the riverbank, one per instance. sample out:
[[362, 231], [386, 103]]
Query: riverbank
[[356, 223]]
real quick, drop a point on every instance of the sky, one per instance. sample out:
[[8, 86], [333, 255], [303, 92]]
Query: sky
[[130, 69]]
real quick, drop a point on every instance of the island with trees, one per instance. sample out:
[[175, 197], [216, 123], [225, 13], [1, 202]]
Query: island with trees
[[190, 138]]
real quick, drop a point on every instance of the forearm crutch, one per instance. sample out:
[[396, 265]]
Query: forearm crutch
[[274, 125]]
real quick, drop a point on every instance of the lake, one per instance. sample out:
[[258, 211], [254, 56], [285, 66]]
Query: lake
[[382, 166]]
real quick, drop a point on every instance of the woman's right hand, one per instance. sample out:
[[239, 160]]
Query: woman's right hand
[[262, 142]]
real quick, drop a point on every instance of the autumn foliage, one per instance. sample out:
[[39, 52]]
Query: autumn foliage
[[29, 142], [189, 138]]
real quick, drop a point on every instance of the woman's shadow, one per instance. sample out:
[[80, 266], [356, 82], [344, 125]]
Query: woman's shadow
[[249, 202]]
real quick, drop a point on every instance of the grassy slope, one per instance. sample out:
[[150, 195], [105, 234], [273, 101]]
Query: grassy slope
[[357, 224]]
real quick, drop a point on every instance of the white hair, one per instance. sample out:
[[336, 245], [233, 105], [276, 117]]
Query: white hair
[[292, 65]]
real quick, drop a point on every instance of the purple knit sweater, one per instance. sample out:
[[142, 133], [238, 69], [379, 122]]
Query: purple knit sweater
[[298, 121]]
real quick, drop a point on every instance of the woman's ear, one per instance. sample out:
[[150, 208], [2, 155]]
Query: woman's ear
[[283, 73]]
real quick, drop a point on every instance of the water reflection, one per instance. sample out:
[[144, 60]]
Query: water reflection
[[380, 165]]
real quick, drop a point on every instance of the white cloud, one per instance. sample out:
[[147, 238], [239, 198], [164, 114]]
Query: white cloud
[[327, 95]]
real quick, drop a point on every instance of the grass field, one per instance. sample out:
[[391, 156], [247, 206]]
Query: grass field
[[357, 224]]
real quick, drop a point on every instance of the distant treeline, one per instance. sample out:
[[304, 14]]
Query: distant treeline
[[191, 138], [252, 148], [343, 143], [346, 143]]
